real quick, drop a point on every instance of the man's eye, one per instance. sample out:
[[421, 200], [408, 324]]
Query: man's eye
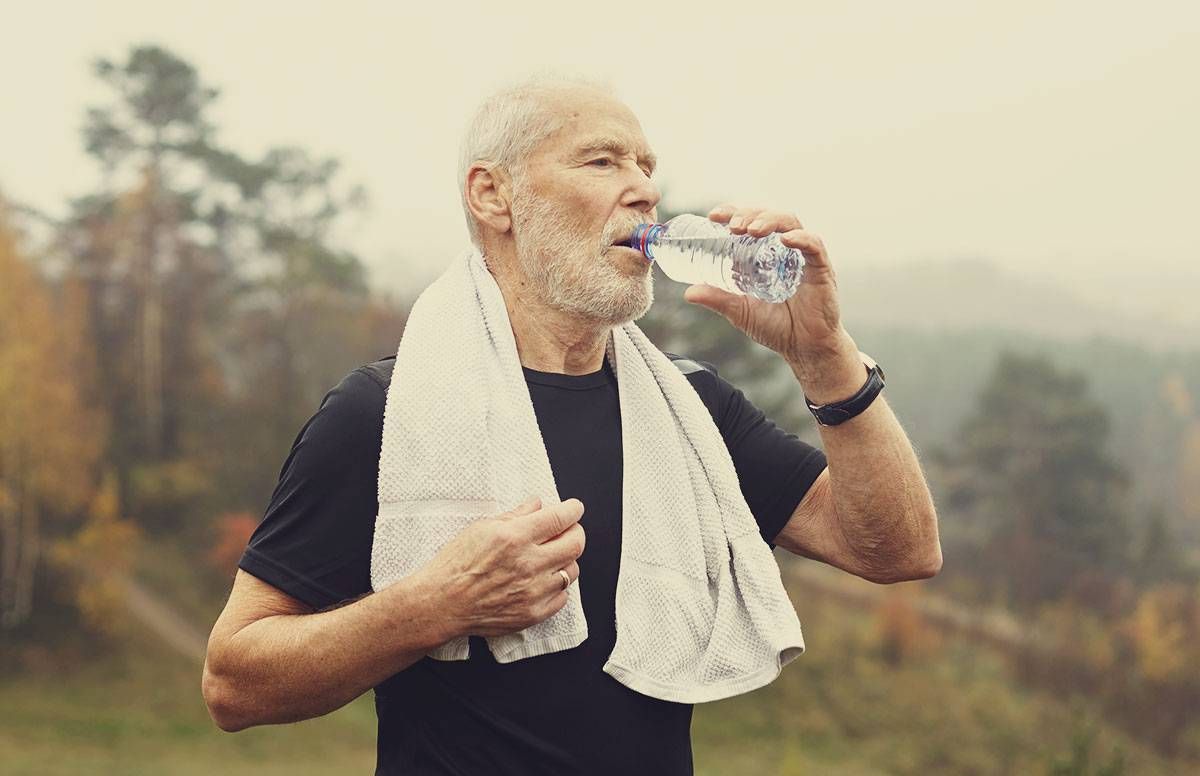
[[607, 161]]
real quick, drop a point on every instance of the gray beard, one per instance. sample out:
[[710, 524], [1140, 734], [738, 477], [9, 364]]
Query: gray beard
[[570, 274]]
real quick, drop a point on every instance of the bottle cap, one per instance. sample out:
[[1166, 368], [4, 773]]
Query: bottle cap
[[643, 238]]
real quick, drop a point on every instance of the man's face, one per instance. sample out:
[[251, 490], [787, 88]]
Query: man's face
[[585, 188]]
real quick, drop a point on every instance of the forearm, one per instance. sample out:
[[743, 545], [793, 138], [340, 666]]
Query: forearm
[[883, 504], [291, 667]]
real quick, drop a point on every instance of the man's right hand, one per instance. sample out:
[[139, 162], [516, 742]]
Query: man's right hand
[[500, 573]]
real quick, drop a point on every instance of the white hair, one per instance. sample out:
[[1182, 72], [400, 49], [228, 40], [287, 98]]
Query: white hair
[[510, 124]]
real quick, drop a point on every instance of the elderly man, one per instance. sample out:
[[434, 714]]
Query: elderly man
[[553, 175]]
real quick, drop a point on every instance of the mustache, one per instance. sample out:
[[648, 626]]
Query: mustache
[[618, 234]]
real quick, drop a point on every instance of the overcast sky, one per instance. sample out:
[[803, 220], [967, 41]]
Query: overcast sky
[[1056, 137]]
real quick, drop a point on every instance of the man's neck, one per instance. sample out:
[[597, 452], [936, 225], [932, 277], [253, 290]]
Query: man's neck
[[550, 340]]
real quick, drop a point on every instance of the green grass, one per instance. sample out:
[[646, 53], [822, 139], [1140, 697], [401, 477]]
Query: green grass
[[140, 712], [838, 710]]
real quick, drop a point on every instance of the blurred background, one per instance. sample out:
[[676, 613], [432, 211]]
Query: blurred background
[[211, 213]]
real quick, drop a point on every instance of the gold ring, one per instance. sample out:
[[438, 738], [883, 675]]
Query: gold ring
[[566, 578]]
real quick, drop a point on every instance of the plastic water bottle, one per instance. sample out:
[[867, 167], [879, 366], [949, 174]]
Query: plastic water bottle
[[693, 249]]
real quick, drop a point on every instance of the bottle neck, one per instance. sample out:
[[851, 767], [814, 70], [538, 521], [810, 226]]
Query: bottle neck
[[645, 237]]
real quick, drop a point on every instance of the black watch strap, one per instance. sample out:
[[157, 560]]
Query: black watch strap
[[841, 411]]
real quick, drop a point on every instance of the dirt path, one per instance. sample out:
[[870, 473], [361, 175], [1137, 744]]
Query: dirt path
[[148, 608], [995, 627]]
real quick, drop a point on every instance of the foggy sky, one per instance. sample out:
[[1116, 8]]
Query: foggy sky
[[1056, 138]]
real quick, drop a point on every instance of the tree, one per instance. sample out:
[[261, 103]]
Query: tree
[[1032, 480], [188, 248], [50, 438], [187, 317], [152, 264]]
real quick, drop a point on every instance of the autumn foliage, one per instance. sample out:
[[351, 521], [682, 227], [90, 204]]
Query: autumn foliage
[[232, 532], [55, 501]]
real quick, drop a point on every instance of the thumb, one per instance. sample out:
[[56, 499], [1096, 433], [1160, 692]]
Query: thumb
[[708, 296]]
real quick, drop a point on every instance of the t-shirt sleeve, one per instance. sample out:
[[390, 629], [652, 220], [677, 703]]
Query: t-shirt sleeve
[[775, 467], [314, 541]]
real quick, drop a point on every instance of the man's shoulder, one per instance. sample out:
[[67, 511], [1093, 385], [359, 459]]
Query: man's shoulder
[[381, 371], [358, 398], [690, 366]]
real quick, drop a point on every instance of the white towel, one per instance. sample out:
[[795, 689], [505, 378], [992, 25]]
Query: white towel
[[701, 611]]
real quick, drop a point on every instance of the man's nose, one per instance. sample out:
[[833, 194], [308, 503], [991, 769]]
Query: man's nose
[[643, 195]]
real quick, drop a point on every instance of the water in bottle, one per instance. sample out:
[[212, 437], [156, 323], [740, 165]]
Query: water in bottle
[[694, 249]]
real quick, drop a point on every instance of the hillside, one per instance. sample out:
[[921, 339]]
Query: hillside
[[980, 294]]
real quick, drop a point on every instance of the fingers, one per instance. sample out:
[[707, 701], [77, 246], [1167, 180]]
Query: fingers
[[554, 584], [543, 524], [755, 221], [562, 549], [734, 217], [810, 245], [760, 222]]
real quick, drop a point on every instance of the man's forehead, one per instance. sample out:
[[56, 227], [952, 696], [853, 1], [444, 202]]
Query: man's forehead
[[601, 121]]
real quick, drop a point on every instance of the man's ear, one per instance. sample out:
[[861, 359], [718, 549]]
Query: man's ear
[[488, 194]]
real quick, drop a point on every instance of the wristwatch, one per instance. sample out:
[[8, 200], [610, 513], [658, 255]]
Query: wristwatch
[[840, 411]]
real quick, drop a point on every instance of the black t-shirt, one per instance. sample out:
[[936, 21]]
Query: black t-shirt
[[556, 714]]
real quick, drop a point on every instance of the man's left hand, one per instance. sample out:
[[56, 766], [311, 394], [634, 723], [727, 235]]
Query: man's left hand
[[806, 326]]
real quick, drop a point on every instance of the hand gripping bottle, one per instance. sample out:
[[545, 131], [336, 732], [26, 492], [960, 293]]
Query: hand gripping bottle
[[693, 249]]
